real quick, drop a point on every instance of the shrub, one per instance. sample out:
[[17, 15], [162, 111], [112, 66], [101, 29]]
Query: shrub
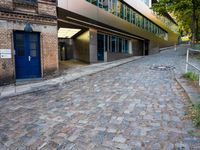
[[191, 75]]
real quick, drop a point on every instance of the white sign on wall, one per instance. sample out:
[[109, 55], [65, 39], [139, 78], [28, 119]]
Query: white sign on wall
[[5, 53]]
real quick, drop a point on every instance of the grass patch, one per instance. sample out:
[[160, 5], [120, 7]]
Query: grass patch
[[195, 114], [191, 75], [196, 46]]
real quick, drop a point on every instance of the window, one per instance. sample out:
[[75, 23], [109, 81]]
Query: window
[[120, 45], [113, 44], [128, 15], [118, 8], [126, 46]]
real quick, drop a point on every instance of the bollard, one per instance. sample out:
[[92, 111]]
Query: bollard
[[175, 47]]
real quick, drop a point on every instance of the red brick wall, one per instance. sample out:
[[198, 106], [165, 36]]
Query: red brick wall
[[50, 52], [6, 4], [6, 65], [46, 9], [16, 20]]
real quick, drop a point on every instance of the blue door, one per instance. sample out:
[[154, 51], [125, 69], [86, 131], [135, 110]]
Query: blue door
[[100, 47], [27, 55]]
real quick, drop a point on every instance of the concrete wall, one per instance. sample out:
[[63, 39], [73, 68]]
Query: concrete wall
[[137, 47], [115, 56], [82, 48], [93, 46]]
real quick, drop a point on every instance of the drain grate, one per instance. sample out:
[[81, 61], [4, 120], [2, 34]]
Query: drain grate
[[162, 68]]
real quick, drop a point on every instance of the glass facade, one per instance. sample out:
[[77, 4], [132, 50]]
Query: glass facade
[[127, 13], [115, 44]]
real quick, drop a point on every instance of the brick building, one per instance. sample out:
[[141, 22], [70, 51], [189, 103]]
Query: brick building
[[28, 39]]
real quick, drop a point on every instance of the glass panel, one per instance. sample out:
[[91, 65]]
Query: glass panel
[[20, 52], [117, 44], [133, 17], [126, 46], [33, 45], [110, 6], [106, 43], [119, 8], [100, 3], [94, 2], [113, 43], [128, 14], [33, 37], [33, 53], [105, 4], [142, 22], [19, 37], [114, 7], [120, 45]]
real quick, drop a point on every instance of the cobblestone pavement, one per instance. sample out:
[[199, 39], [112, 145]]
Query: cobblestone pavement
[[127, 107]]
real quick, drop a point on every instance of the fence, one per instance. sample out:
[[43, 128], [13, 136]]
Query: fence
[[190, 64]]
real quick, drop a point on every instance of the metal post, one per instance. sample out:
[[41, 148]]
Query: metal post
[[199, 78], [175, 47], [187, 58]]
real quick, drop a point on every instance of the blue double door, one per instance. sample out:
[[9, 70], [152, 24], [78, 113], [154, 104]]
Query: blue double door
[[27, 55]]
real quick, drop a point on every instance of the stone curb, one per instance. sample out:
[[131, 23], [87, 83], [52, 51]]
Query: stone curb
[[48, 85], [194, 96]]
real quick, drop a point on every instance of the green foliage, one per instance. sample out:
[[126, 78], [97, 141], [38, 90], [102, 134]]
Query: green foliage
[[191, 75], [196, 46], [184, 12], [195, 114]]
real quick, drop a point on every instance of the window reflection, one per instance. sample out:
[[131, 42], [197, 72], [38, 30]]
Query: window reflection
[[127, 13]]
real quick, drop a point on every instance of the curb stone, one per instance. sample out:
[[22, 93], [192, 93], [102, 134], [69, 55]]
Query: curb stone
[[56, 82]]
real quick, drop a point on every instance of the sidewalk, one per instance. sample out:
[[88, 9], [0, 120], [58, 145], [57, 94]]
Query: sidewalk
[[73, 74]]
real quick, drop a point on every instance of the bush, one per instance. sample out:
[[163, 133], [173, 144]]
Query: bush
[[191, 75], [196, 46]]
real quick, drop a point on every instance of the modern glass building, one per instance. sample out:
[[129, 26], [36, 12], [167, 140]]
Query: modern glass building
[[107, 30]]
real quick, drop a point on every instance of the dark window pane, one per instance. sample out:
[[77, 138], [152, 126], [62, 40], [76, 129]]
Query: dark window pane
[[20, 52], [33, 37], [113, 43], [33, 53], [33, 45]]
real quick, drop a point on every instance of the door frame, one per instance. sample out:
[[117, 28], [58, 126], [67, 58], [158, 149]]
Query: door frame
[[40, 54]]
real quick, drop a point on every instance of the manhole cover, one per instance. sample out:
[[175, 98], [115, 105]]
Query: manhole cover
[[162, 68]]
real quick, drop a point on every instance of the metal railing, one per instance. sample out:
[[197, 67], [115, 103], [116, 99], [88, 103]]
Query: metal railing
[[190, 64]]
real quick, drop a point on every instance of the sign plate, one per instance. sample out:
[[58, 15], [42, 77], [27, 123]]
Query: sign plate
[[5, 51], [5, 55]]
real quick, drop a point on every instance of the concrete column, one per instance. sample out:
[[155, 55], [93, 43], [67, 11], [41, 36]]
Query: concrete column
[[93, 46], [150, 3], [130, 50]]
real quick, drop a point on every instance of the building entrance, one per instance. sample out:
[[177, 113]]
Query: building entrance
[[27, 55], [100, 47]]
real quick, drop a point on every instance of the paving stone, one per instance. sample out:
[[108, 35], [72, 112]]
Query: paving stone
[[122, 146], [119, 139], [125, 107], [182, 146]]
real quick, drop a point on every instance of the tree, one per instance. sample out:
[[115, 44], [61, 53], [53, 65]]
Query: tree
[[185, 11]]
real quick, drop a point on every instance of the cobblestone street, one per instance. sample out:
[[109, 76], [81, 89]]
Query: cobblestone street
[[127, 107]]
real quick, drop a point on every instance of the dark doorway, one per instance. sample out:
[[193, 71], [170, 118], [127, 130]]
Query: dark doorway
[[100, 47], [146, 48], [63, 51]]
